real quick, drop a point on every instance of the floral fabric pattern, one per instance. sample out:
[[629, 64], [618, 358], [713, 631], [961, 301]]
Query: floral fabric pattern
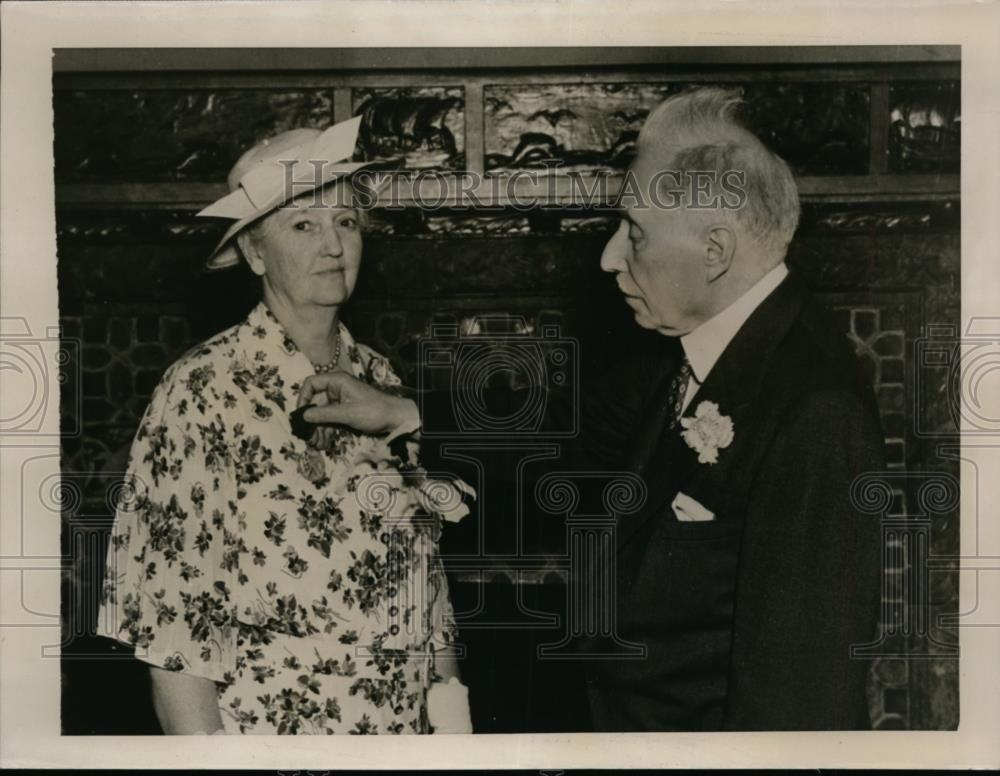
[[304, 583]]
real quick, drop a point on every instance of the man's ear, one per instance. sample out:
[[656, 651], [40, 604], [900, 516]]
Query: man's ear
[[250, 253], [720, 247]]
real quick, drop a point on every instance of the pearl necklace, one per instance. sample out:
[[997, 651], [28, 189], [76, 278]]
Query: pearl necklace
[[324, 368]]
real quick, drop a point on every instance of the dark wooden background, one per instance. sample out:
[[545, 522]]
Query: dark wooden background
[[144, 139]]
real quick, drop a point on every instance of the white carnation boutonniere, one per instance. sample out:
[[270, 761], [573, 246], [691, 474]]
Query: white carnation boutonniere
[[707, 432]]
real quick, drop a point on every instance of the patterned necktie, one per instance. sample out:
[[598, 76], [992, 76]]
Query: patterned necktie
[[666, 417], [678, 390]]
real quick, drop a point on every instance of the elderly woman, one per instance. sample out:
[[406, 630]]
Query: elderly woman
[[277, 585]]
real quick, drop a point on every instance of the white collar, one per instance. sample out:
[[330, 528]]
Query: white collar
[[705, 344]]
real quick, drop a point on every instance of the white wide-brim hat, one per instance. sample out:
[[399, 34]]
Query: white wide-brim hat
[[277, 170]]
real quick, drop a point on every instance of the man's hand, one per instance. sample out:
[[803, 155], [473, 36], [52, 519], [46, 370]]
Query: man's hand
[[349, 402]]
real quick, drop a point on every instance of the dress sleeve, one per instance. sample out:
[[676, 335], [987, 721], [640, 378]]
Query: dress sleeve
[[171, 561]]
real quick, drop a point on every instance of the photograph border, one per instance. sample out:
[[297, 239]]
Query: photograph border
[[29, 550]]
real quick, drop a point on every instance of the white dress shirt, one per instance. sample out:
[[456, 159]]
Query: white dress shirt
[[705, 344]]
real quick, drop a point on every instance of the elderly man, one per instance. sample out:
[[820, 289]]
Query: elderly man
[[749, 574]]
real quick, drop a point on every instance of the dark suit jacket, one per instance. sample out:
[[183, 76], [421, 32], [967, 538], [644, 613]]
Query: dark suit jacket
[[747, 619]]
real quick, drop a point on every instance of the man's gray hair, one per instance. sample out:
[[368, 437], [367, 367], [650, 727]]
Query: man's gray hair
[[698, 130]]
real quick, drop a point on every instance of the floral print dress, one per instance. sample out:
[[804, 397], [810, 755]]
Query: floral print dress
[[304, 583]]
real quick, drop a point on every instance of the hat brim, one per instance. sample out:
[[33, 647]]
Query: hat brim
[[226, 253]]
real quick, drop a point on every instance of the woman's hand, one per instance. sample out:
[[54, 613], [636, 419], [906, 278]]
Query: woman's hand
[[185, 704], [352, 403], [448, 699], [448, 707]]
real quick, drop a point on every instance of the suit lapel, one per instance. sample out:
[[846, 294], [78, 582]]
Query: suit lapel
[[734, 385], [653, 419]]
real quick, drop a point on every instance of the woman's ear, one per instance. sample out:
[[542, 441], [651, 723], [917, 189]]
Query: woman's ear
[[720, 247], [250, 253]]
